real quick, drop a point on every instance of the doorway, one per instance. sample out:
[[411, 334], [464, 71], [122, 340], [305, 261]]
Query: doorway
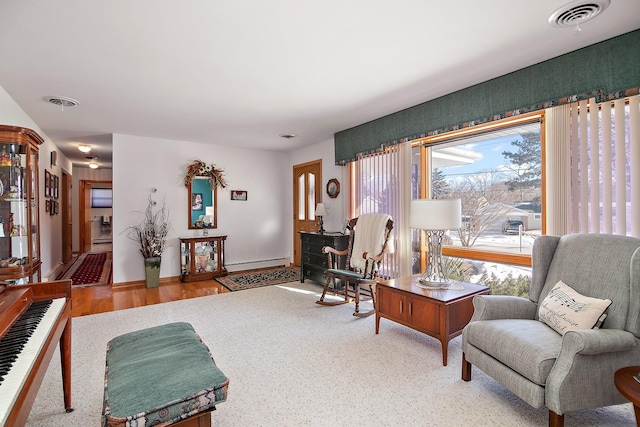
[[307, 193], [95, 231]]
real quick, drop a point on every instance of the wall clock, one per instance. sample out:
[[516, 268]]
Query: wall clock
[[333, 188]]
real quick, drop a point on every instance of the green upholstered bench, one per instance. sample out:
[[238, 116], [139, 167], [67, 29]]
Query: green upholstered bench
[[160, 376]]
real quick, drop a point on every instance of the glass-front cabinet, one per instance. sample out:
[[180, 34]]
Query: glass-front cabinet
[[202, 258], [19, 215]]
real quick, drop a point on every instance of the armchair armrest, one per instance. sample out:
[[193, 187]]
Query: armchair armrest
[[489, 307], [595, 354], [596, 341]]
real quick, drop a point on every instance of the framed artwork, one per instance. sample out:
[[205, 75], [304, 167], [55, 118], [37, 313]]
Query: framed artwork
[[239, 195], [47, 178], [51, 184], [47, 208], [333, 188], [56, 206], [196, 202], [56, 185], [51, 207]]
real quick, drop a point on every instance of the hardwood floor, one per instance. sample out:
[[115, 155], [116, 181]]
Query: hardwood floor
[[104, 298]]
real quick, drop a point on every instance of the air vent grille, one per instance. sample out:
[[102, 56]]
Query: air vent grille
[[62, 101], [577, 12]]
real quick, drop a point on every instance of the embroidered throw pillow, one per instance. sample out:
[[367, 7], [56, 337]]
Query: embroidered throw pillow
[[564, 309]]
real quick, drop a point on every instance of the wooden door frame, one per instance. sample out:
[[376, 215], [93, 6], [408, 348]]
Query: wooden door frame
[[66, 189], [84, 204], [318, 191]]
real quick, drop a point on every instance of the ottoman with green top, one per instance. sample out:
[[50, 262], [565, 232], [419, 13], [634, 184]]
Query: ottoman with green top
[[160, 376]]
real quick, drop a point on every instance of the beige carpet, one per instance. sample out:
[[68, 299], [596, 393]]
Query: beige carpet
[[292, 362]]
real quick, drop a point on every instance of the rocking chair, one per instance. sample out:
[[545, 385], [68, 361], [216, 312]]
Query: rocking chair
[[368, 243]]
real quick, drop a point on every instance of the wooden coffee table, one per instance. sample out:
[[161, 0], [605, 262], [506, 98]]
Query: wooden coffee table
[[440, 313], [629, 387]]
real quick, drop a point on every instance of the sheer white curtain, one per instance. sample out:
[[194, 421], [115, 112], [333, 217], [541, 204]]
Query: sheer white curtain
[[382, 184], [592, 160]]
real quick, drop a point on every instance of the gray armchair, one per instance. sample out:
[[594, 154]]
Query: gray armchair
[[566, 372]]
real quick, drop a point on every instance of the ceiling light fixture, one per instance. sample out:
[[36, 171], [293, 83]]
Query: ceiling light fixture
[[577, 12], [62, 101], [93, 164], [84, 148]]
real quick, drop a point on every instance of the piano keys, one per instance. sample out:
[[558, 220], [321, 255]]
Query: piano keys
[[33, 318]]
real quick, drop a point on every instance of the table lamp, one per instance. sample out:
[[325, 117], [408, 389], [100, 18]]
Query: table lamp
[[435, 217], [321, 210]]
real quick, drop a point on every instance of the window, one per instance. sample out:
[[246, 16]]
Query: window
[[498, 174]]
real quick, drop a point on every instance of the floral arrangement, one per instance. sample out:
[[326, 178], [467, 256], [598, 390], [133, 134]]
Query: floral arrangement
[[151, 233], [213, 174]]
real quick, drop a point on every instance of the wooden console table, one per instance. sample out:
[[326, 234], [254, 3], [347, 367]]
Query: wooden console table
[[440, 313]]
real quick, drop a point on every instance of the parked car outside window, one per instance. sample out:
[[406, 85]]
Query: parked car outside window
[[512, 226]]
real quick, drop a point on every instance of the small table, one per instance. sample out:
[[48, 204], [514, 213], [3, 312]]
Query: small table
[[440, 313], [629, 387]]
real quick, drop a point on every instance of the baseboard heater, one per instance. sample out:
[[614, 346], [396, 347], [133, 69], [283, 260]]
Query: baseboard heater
[[252, 265], [53, 274]]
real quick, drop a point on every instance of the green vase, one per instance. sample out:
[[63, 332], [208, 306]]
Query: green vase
[[152, 271]]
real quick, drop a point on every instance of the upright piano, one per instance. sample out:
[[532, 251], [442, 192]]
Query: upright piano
[[33, 319]]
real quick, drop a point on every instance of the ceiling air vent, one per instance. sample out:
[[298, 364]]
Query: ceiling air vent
[[62, 101], [577, 12]]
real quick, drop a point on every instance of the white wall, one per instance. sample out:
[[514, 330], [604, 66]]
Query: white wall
[[257, 229], [50, 225]]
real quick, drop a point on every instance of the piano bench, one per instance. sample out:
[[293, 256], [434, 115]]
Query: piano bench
[[161, 375]]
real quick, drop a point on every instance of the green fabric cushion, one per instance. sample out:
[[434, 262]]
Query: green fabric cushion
[[163, 373]]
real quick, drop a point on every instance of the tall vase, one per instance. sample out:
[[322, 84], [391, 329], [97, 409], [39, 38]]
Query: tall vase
[[152, 271]]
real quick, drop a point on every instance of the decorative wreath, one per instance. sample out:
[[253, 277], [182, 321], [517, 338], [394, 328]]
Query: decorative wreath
[[200, 168]]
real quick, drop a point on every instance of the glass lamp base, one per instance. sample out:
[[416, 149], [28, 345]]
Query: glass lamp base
[[431, 284]]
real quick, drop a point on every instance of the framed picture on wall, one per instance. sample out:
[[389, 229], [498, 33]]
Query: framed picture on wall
[[239, 195], [51, 184], [56, 185], [47, 178]]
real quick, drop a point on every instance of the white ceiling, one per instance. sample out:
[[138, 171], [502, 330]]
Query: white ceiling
[[241, 73]]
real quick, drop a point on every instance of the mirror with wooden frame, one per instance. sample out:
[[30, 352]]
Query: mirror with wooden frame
[[202, 203]]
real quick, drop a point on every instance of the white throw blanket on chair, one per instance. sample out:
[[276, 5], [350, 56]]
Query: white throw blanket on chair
[[370, 232]]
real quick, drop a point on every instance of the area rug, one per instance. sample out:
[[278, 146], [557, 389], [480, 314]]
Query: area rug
[[257, 278], [91, 268]]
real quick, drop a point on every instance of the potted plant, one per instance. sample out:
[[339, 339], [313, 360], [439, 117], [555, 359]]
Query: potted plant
[[151, 235]]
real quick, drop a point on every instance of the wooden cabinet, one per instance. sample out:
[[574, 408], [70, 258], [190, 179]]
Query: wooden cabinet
[[202, 258], [19, 214], [313, 262], [440, 313]]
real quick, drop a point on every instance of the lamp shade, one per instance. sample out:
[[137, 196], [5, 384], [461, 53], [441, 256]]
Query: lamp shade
[[321, 209], [435, 214]]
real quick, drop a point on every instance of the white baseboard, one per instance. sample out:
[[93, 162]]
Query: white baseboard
[[252, 265], [57, 269]]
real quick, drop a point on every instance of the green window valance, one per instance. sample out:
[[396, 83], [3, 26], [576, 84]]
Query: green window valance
[[606, 70]]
